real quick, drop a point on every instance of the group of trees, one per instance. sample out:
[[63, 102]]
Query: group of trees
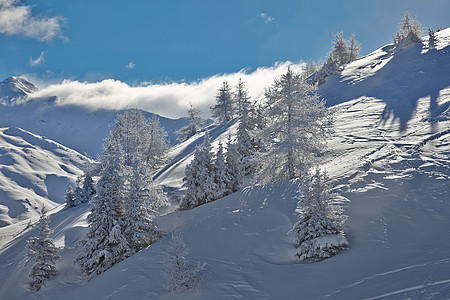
[[83, 193], [208, 178], [410, 31], [121, 220]]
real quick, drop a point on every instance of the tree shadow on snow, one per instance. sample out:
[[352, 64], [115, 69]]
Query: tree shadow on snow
[[406, 77]]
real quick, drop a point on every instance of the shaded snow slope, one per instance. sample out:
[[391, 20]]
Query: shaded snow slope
[[34, 171], [390, 167]]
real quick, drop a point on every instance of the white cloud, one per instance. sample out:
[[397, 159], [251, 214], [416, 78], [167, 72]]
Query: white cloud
[[16, 19], [167, 99], [130, 65], [267, 19], [37, 61]]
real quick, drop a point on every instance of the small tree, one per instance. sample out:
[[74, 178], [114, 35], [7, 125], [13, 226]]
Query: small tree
[[431, 39], [69, 198], [45, 254], [195, 123], [410, 31], [319, 225], [199, 179], [181, 275], [223, 111], [354, 48]]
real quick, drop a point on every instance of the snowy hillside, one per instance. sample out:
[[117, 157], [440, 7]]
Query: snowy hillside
[[389, 161], [74, 126], [34, 171]]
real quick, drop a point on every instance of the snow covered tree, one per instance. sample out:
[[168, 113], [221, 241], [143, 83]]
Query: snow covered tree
[[298, 125], [319, 225], [195, 123], [84, 190], [223, 111], [156, 145], [69, 198], [181, 275], [105, 243], [353, 48], [221, 174], [199, 179], [44, 253], [234, 166], [139, 228], [410, 31], [241, 101], [431, 39], [247, 147], [340, 52]]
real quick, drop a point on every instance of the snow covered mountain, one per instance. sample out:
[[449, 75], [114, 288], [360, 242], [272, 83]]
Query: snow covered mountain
[[13, 88], [389, 161], [34, 171], [73, 126]]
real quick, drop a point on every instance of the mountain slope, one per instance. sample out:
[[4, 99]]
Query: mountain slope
[[34, 171], [390, 168]]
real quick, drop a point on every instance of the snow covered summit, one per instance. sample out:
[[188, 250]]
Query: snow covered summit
[[14, 88]]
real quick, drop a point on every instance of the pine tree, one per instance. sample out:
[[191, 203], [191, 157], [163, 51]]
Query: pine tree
[[241, 101], [195, 123], [246, 147], [222, 177], [410, 31], [180, 274], [69, 198], [139, 228], [223, 111], [88, 187], [199, 179], [354, 48], [299, 124], [234, 166], [431, 39], [45, 254], [156, 145], [105, 243], [319, 225]]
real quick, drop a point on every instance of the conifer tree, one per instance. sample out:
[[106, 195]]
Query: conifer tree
[[156, 145], [181, 275], [44, 253], [298, 126], [319, 225], [431, 39], [105, 243], [199, 179], [221, 174], [223, 111], [247, 147], [195, 123], [410, 31], [234, 166], [354, 48], [241, 101], [69, 198]]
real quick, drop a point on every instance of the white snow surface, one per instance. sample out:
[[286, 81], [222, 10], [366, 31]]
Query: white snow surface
[[389, 161], [34, 171]]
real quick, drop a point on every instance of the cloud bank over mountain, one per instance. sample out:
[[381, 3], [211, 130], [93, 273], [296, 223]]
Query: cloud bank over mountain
[[167, 99]]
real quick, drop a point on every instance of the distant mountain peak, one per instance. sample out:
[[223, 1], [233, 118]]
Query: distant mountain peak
[[15, 87]]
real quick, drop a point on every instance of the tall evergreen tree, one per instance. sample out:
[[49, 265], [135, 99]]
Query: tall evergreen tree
[[44, 253], [298, 125], [223, 111], [431, 39], [353, 48], [105, 243], [221, 174], [241, 101], [234, 166], [156, 145], [199, 179], [319, 225], [195, 123]]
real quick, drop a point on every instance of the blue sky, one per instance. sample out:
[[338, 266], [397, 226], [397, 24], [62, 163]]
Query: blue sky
[[154, 41]]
